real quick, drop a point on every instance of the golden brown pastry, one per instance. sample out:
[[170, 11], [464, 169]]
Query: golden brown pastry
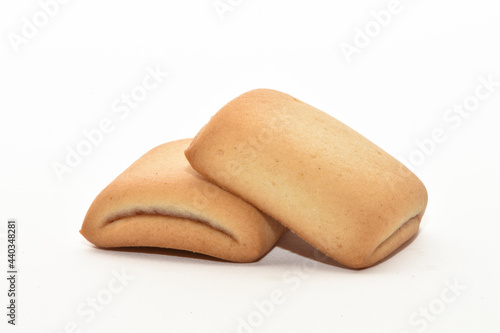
[[320, 178], [160, 201]]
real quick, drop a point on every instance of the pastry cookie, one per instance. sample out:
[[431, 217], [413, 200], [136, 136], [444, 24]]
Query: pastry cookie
[[160, 201], [327, 183]]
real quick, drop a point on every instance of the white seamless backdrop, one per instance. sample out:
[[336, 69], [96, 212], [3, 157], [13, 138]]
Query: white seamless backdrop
[[87, 87]]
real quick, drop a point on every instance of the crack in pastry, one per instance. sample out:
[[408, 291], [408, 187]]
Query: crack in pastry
[[189, 217], [398, 237]]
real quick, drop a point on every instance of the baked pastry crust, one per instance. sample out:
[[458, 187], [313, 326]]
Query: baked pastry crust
[[327, 183], [160, 201]]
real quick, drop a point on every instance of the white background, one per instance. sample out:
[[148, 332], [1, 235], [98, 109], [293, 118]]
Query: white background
[[396, 90]]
